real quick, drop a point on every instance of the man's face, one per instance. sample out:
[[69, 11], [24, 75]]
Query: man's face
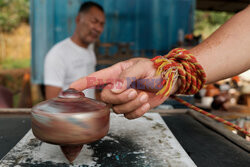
[[90, 25]]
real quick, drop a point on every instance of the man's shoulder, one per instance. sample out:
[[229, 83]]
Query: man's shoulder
[[60, 47]]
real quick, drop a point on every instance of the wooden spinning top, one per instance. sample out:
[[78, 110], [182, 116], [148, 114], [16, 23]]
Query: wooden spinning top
[[70, 120]]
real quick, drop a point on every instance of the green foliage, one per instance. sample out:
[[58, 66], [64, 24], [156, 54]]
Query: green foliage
[[207, 22], [15, 63], [12, 13]]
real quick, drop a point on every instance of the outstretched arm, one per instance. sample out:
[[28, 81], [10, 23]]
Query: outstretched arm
[[226, 52]]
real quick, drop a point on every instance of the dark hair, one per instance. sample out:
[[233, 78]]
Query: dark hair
[[87, 5]]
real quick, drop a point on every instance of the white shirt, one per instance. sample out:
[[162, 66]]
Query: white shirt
[[66, 62]]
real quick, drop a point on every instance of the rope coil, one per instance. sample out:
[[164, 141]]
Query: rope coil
[[180, 63]]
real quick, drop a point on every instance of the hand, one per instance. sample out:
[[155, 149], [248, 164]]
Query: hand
[[132, 102]]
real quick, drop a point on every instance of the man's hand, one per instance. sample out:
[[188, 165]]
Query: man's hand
[[130, 86]]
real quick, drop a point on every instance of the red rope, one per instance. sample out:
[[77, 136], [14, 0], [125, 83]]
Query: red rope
[[211, 115], [180, 63]]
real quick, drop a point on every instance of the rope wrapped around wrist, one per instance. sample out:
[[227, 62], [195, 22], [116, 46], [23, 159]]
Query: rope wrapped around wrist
[[179, 63]]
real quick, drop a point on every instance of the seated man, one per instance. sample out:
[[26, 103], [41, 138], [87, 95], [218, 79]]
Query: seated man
[[74, 57]]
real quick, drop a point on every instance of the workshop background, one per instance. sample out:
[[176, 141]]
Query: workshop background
[[134, 28]]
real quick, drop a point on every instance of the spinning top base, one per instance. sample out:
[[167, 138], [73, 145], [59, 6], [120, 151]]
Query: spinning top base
[[70, 120], [71, 151]]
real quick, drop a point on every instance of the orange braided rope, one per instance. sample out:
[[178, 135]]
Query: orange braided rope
[[211, 115], [180, 63]]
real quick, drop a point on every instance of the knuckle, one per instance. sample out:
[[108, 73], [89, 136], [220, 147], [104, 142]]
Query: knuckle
[[128, 116], [142, 62], [135, 114], [139, 113], [103, 97], [116, 110]]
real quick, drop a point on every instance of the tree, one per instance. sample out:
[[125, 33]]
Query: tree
[[12, 13]]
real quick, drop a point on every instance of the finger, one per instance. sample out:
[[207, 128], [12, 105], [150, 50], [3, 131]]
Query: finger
[[104, 76], [138, 112], [132, 105], [124, 97], [156, 100]]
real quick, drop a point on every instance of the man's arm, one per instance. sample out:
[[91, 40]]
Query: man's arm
[[226, 52], [52, 91]]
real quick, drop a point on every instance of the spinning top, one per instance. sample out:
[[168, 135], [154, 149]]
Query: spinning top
[[70, 120]]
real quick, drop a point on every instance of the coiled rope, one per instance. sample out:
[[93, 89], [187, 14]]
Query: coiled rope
[[180, 63]]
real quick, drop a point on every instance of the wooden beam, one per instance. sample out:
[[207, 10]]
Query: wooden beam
[[165, 112], [15, 110]]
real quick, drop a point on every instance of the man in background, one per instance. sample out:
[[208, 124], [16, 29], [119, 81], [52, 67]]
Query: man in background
[[74, 57]]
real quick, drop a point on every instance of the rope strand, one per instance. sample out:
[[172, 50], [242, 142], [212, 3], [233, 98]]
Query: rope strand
[[211, 115], [180, 63]]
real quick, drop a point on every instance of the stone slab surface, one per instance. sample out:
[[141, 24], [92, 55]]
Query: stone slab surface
[[146, 141]]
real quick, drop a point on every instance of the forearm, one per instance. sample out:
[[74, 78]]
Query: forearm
[[226, 52], [52, 91]]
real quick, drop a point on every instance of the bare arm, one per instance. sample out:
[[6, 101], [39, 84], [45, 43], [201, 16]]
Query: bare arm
[[52, 91], [226, 52]]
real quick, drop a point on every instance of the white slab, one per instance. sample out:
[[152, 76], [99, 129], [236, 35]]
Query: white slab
[[146, 141]]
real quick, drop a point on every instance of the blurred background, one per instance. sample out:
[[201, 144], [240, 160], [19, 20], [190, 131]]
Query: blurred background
[[134, 28]]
